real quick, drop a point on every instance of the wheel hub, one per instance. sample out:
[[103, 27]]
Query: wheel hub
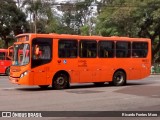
[[60, 80], [119, 78]]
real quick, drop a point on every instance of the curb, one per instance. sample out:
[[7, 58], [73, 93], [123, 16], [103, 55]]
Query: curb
[[155, 74]]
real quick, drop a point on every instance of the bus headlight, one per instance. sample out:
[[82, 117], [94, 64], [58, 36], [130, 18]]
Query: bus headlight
[[24, 74]]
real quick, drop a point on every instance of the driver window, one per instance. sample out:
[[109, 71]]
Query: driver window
[[41, 51], [36, 51]]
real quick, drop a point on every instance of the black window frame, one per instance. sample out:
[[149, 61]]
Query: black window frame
[[86, 52], [107, 52], [3, 56], [41, 41], [121, 52], [69, 52], [135, 51]]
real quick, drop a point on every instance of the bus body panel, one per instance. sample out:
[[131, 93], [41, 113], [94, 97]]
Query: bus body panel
[[5, 62], [82, 70]]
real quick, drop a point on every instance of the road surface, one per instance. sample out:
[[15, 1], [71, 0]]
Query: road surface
[[138, 95]]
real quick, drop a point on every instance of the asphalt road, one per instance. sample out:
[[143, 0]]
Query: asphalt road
[[138, 95]]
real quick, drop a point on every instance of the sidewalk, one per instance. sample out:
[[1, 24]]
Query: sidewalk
[[155, 73]]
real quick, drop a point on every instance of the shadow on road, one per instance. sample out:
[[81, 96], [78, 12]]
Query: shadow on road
[[81, 86], [3, 75]]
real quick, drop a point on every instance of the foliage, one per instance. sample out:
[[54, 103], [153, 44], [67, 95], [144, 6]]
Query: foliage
[[84, 30], [137, 18], [12, 21], [43, 18], [132, 18], [76, 16], [37, 11]]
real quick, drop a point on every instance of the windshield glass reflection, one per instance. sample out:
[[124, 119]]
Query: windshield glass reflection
[[21, 54]]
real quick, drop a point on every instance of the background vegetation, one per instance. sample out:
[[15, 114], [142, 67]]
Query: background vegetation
[[132, 18]]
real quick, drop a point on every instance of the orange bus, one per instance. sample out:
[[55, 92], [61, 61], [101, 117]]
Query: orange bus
[[5, 62], [60, 59]]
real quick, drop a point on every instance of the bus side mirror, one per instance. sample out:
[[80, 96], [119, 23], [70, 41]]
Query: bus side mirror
[[10, 52]]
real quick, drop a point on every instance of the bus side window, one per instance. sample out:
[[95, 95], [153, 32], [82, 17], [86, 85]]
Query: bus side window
[[7, 58], [106, 49], [89, 54], [139, 49], [45, 53], [73, 54], [134, 54], [2, 56], [36, 51], [67, 48], [88, 49], [41, 51], [106, 54], [123, 49]]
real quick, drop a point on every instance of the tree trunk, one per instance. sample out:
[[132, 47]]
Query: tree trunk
[[156, 50], [6, 43]]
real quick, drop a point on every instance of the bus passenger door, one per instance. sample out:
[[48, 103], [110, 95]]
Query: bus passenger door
[[41, 57], [102, 71], [85, 71], [96, 73], [39, 75], [85, 75]]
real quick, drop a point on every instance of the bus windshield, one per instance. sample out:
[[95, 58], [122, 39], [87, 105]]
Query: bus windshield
[[21, 54]]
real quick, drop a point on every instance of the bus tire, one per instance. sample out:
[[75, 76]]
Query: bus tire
[[119, 78], [43, 86], [7, 72], [60, 81]]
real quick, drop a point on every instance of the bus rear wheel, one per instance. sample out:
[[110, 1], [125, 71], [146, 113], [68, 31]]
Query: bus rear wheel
[[7, 72], [61, 81], [119, 78]]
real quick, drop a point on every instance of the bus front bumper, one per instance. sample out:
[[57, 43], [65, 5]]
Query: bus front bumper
[[14, 80]]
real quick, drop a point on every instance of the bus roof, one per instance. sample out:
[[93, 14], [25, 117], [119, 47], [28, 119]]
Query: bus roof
[[3, 50], [69, 36]]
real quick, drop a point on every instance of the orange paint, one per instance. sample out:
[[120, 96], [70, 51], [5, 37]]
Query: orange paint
[[83, 58]]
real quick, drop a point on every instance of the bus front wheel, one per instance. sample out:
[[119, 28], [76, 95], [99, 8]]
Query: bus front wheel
[[61, 81], [119, 78]]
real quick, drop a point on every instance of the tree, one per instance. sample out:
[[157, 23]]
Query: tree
[[137, 18], [33, 8], [84, 30], [39, 12], [12, 21], [76, 15]]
